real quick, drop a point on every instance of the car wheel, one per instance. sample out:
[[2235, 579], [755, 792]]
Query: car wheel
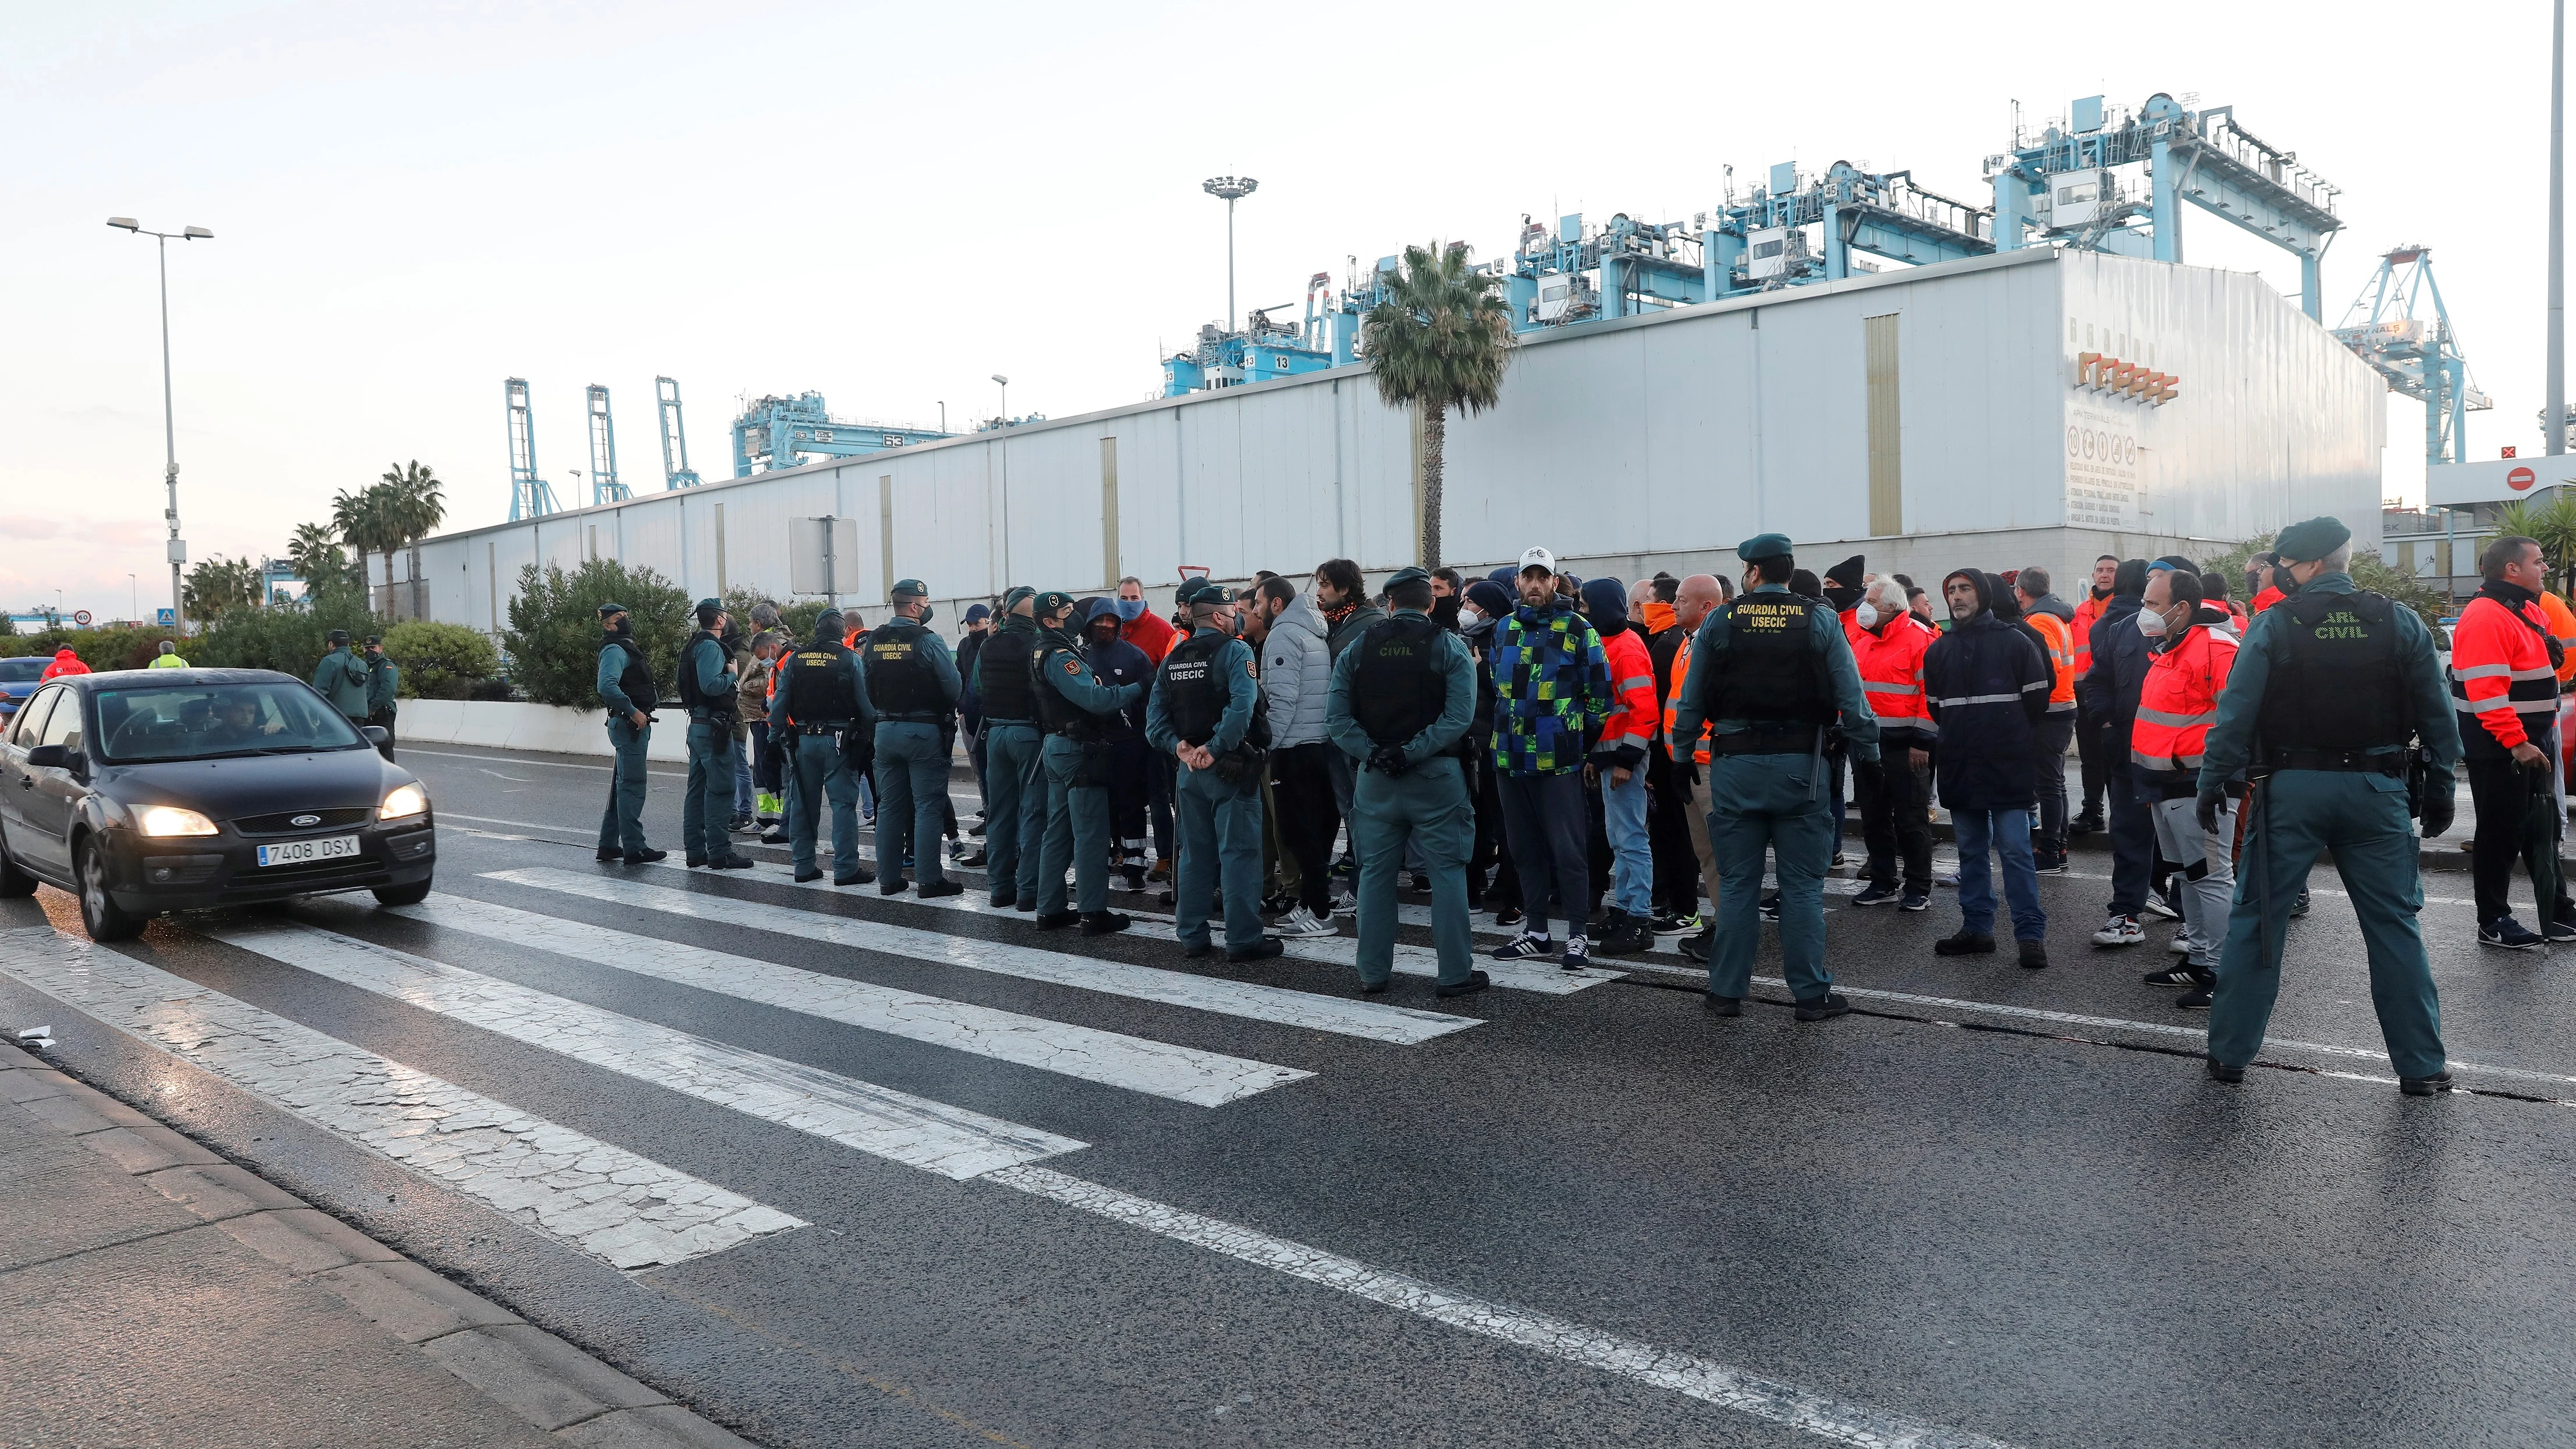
[[402, 895], [13, 881], [101, 916]]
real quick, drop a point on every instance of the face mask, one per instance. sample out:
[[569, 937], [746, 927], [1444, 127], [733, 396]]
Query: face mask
[[1444, 612], [1841, 598], [2151, 623], [2281, 580], [1130, 610], [1469, 616], [924, 620], [1866, 616]]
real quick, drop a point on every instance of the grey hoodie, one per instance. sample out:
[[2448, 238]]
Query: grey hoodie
[[1297, 674]]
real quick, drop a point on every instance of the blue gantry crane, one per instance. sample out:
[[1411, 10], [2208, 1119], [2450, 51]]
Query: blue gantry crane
[[530, 495], [2400, 326], [777, 432], [676, 472], [2115, 181], [604, 484]]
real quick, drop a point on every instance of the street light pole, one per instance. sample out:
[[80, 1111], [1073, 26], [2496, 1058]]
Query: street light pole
[[169, 421], [2555, 405], [1233, 189], [1005, 418]]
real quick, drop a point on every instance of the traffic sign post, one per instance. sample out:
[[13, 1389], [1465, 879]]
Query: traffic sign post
[[81, 617]]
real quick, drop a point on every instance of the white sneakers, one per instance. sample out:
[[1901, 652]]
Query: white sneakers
[[2120, 931], [1301, 922]]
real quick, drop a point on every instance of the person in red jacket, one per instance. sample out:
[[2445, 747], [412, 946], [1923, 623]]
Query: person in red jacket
[[1887, 644], [65, 662], [2504, 686], [2258, 582], [2188, 660], [1138, 625], [1618, 763]]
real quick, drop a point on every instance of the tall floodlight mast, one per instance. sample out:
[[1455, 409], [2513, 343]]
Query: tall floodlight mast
[[1233, 189], [676, 472], [530, 495], [605, 486]]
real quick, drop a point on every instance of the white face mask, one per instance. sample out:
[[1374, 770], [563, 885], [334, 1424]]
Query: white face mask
[[2151, 623], [1866, 615], [1469, 616]]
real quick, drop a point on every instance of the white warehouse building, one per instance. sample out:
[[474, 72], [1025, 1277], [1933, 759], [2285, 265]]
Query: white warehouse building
[[1999, 411]]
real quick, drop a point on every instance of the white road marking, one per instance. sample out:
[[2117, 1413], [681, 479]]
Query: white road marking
[[1545, 978], [1401, 1025], [1205, 1079], [605, 1201], [524, 760], [522, 824], [2115, 1023], [879, 1121], [1838, 1420]]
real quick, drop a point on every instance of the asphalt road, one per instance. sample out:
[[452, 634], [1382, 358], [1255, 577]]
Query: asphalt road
[[862, 1170]]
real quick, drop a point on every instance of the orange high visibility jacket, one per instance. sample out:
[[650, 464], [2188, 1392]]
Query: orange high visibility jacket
[[2178, 702], [1632, 726], [2080, 637], [2562, 622], [2061, 657], [1891, 675], [1681, 672], [2266, 599], [2500, 674]]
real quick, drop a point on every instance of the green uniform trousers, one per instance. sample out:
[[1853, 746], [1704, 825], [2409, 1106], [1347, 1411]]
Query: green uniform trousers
[[1015, 801], [1219, 828], [1753, 809], [1077, 833], [1425, 809], [820, 774], [708, 805], [912, 799], [2361, 817], [621, 825]]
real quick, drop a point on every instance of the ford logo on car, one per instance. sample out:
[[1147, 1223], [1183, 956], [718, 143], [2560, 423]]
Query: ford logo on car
[[304, 820]]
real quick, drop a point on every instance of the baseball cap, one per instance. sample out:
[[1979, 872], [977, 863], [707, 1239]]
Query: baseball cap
[[1537, 558], [978, 612]]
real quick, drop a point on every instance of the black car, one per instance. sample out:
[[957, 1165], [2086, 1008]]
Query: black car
[[151, 790]]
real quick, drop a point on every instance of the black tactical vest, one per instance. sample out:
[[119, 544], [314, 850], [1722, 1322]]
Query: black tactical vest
[[900, 679], [2335, 684], [1058, 715], [636, 680], [1769, 674], [694, 699], [817, 685], [1194, 698], [1398, 688], [1002, 676]]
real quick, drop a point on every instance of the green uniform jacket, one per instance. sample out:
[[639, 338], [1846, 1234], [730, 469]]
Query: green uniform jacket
[[1069, 675], [1842, 673], [2231, 738], [342, 679], [384, 685], [1232, 664], [1457, 671]]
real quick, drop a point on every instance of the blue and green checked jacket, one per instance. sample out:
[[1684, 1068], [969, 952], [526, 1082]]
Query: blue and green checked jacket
[[1551, 687]]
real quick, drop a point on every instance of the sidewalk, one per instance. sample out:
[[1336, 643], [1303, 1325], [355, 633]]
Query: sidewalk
[[155, 1294]]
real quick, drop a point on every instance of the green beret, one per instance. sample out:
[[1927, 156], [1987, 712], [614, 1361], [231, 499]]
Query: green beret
[[1209, 596], [2307, 542], [909, 589], [1052, 600], [1763, 546], [1409, 574], [1018, 592], [706, 606], [606, 610]]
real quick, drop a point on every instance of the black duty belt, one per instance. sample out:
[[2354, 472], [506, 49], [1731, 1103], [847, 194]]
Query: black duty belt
[[1750, 742], [2359, 762], [992, 720], [828, 727], [883, 718]]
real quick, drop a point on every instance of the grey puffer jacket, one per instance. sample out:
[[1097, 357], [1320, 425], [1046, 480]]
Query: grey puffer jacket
[[1297, 674]]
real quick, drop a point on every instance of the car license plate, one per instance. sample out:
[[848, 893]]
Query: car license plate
[[305, 852]]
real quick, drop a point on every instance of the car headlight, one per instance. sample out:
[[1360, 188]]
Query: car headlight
[[165, 820], [404, 800]]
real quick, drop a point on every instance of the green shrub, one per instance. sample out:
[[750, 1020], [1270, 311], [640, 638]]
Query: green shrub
[[100, 649], [554, 636], [289, 638], [441, 661]]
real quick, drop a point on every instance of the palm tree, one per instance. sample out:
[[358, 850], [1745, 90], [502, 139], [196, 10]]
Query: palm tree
[[1439, 341], [366, 519], [419, 506], [315, 555], [217, 583]]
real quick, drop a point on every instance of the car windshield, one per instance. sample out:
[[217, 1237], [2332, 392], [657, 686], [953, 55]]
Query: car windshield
[[203, 721], [21, 670]]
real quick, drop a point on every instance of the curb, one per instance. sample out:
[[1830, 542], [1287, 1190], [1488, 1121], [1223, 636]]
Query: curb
[[547, 1381]]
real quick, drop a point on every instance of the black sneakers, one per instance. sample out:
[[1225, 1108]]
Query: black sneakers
[[2034, 955], [1964, 942], [1821, 1008], [734, 862], [1722, 1005], [1476, 981], [1269, 946], [1878, 893], [2221, 1072], [2425, 1086], [1103, 923], [1057, 920], [855, 878], [2507, 934], [938, 888], [1626, 936], [644, 857]]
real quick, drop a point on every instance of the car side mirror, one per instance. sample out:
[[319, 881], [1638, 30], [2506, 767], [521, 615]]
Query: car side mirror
[[49, 757], [377, 735]]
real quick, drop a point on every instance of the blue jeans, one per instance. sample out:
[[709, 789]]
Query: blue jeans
[[742, 802], [2006, 831], [1632, 869]]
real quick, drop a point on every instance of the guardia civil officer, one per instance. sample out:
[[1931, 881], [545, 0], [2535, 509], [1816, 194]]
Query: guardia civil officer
[[707, 690], [2329, 685], [1075, 762], [1770, 674], [912, 681], [1206, 712], [625, 685], [1403, 693], [1015, 793], [820, 700]]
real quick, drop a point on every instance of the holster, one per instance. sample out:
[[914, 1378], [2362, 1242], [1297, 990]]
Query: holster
[[1092, 772], [1241, 767]]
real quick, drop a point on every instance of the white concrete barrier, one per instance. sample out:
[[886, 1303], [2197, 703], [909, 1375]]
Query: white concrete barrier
[[545, 728]]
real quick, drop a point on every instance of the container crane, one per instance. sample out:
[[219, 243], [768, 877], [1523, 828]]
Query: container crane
[[604, 484], [676, 472], [2401, 328], [530, 495], [776, 432]]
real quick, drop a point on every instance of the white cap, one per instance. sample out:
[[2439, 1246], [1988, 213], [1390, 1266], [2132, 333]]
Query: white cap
[[1538, 558]]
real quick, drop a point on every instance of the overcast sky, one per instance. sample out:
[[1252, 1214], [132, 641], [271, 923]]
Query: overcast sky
[[889, 203]]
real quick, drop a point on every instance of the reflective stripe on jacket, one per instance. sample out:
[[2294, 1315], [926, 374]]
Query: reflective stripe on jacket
[[1890, 658], [2061, 658], [1630, 730], [1672, 697], [2179, 702], [2500, 674]]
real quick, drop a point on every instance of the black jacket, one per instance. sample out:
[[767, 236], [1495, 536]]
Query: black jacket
[[2109, 690], [1987, 685]]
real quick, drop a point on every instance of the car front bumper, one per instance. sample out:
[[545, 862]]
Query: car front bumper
[[203, 872]]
